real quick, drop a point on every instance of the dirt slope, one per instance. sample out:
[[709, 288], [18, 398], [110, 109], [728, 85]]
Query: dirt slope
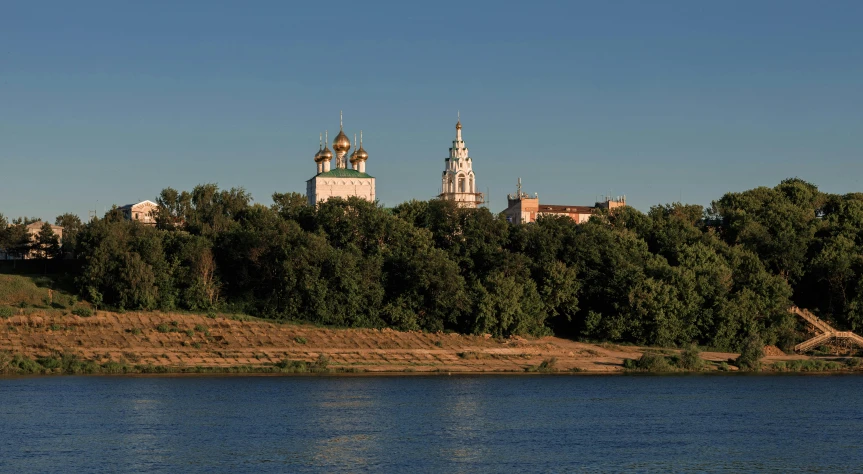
[[180, 340]]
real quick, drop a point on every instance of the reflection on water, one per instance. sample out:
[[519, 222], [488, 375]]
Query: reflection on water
[[345, 419], [430, 424], [462, 422]]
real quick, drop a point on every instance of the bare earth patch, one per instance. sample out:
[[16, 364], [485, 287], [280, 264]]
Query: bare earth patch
[[184, 340]]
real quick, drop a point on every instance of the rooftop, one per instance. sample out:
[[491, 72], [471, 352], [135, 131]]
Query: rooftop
[[343, 173]]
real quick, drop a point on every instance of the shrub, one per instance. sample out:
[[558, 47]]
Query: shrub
[[135, 331], [292, 365], [190, 333], [321, 364], [629, 364], [690, 358], [752, 353], [82, 311], [6, 312], [438, 343], [300, 340], [652, 362], [163, 328], [196, 345], [200, 328]]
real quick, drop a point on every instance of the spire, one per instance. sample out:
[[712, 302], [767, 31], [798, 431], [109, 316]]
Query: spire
[[321, 142], [361, 138], [458, 127], [340, 121]]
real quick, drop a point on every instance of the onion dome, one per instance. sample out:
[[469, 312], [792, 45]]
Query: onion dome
[[458, 125], [341, 144], [326, 155], [362, 155]]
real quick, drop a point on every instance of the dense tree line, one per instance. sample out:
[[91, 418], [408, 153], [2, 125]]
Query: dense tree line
[[675, 275]]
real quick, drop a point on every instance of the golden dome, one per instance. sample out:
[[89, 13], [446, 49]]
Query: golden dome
[[361, 154], [318, 158], [341, 144], [326, 154], [458, 125]]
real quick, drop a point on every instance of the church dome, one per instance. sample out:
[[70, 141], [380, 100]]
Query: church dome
[[354, 155], [341, 144], [318, 157], [361, 154], [326, 155], [458, 125]]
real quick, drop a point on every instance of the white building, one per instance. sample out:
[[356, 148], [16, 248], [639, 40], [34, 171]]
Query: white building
[[342, 181], [458, 182], [143, 212]]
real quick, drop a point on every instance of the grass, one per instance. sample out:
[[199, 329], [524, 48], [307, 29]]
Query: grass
[[546, 366], [816, 365], [46, 292], [65, 363]]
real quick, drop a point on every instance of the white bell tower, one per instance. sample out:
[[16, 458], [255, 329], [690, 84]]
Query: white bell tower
[[458, 182]]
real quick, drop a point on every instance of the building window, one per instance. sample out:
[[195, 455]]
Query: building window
[[461, 185]]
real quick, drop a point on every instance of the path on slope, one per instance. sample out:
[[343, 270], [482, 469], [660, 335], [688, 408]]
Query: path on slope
[[193, 340]]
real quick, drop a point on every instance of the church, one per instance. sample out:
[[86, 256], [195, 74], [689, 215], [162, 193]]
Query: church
[[458, 182], [342, 181]]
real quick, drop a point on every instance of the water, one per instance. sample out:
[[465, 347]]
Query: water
[[431, 424]]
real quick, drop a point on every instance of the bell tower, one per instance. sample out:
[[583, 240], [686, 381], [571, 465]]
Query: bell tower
[[458, 182]]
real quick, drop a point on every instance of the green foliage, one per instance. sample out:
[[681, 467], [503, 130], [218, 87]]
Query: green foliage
[[546, 366], [6, 312], [672, 276], [751, 354], [653, 362], [690, 358], [82, 311]]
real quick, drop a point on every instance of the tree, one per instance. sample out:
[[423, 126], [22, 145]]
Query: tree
[[71, 225], [752, 353], [46, 244]]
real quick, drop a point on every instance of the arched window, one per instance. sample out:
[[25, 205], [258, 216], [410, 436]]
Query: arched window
[[461, 184]]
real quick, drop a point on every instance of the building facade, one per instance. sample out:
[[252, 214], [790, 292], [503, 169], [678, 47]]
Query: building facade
[[29, 252], [143, 212], [523, 209], [458, 182], [343, 181]]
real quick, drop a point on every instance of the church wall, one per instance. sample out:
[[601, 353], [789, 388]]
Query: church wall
[[321, 189]]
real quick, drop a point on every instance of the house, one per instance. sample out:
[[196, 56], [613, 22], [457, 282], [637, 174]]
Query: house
[[143, 212], [523, 209], [33, 231]]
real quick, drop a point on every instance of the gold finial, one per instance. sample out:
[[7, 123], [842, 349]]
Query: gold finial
[[458, 123], [340, 120], [321, 142]]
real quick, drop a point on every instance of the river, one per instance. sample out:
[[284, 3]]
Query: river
[[431, 424]]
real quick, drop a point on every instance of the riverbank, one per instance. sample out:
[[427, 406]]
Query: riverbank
[[51, 341]]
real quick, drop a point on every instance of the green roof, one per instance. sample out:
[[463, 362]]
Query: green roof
[[343, 173]]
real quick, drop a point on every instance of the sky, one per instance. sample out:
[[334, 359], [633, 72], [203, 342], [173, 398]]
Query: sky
[[105, 103]]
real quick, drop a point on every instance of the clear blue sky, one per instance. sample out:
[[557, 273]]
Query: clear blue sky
[[108, 102]]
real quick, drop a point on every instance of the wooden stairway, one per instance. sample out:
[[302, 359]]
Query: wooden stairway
[[827, 332]]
